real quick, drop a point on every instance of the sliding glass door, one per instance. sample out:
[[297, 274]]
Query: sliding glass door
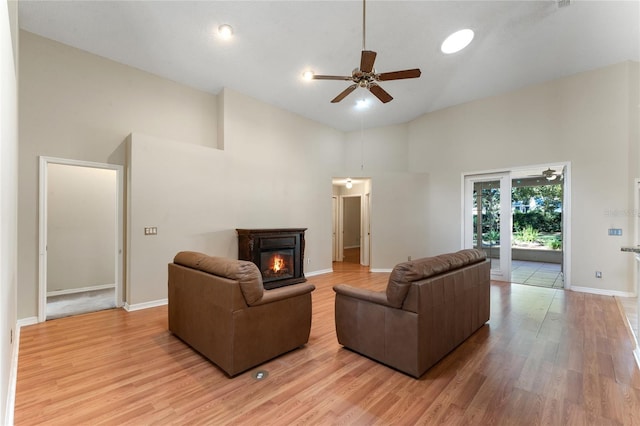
[[487, 220]]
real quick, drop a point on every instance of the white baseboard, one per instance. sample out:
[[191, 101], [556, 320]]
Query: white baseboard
[[13, 372], [13, 379], [601, 291], [320, 272], [381, 270], [146, 305], [26, 321], [80, 290]]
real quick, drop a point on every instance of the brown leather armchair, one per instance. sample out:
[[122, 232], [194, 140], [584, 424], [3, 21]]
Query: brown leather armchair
[[220, 308], [430, 306]]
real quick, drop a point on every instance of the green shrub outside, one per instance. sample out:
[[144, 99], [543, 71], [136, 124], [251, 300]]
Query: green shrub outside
[[543, 222]]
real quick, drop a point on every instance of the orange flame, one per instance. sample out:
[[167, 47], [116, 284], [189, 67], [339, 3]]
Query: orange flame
[[278, 263]]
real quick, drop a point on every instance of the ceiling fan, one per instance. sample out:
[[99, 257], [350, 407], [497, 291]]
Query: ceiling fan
[[549, 174], [365, 76]]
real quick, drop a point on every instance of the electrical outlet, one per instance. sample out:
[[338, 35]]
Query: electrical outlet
[[598, 274], [308, 260]]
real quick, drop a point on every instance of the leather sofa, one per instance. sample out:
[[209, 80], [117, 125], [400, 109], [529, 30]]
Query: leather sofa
[[220, 308], [429, 307]]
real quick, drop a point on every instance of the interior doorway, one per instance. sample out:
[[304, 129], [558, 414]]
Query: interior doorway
[[351, 201], [351, 227], [81, 228]]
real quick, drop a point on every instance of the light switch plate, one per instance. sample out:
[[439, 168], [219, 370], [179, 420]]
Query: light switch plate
[[150, 230]]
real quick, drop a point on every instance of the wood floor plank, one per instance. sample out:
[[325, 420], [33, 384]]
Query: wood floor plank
[[547, 356]]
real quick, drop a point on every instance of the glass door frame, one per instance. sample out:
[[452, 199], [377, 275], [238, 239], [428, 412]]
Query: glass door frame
[[503, 273]]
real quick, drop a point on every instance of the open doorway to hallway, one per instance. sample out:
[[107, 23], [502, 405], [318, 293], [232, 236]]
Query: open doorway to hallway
[[81, 231], [351, 225]]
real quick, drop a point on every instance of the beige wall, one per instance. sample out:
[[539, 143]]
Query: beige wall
[[81, 227], [399, 221], [273, 173], [268, 167], [585, 119], [8, 203], [351, 220], [79, 106]]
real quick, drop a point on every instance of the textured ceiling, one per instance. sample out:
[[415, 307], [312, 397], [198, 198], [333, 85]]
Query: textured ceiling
[[518, 43]]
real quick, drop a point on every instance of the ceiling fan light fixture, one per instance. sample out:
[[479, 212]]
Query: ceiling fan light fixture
[[457, 41], [550, 174], [365, 76], [362, 103], [349, 184], [308, 75], [225, 31]]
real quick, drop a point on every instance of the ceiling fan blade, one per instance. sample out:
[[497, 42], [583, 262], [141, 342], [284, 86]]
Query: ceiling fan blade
[[366, 60], [344, 93], [399, 75], [380, 93], [332, 77]]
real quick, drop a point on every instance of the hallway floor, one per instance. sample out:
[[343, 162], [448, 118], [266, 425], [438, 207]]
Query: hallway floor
[[80, 303]]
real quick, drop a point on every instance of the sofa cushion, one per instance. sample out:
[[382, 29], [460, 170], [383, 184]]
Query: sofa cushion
[[188, 258], [398, 285], [407, 272], [454, 261], [472, 255], [243, 271], [426, 267]]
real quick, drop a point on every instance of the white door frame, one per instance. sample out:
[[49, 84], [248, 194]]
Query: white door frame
[[335, 249], [636, 242], [566, 211], [566, 215], [504, 272], [341, 223], [365, 253], [365, 220], [42, 264]]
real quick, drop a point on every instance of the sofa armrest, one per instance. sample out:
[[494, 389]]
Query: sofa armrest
[[286, 292], [377, 297]]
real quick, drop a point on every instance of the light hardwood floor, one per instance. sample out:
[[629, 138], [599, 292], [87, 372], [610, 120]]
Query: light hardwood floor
[[547, 356]]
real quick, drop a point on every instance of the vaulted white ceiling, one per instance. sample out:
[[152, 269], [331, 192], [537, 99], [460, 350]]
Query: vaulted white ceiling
[[517, 43]]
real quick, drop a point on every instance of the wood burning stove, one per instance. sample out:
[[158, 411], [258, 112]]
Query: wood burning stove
[[278, 254]]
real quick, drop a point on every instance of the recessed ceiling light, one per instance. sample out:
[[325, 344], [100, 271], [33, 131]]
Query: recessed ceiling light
[[225, 31], [457, 41], [307, 75]]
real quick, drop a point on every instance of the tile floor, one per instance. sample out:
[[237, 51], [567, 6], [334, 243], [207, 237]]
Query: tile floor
[[537, 274]]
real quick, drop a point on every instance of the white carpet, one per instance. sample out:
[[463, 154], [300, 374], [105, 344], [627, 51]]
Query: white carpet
[[80, 303]]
